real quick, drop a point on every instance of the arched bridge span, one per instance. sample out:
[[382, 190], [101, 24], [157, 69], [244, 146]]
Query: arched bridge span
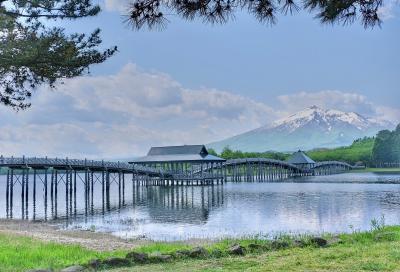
[[262, 169]]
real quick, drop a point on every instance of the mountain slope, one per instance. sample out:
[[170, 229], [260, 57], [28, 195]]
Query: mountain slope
[[310, 128]]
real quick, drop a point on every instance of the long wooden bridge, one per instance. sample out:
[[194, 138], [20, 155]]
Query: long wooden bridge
[[54, 174], [69, 171], [248, 169]]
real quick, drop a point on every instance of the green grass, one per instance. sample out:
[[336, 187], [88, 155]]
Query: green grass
[[357, 257], [360, 150], [378, 170], [21, 253], [376, 250]]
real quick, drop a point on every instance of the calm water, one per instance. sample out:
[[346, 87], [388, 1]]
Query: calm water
[[312, 204]]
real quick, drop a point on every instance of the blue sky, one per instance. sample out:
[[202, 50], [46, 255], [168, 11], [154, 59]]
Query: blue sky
[[246, 57], [196, 83]]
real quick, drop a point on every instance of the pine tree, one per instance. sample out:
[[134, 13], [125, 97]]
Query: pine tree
[[387, 146], [153, 13], [381, 151], [33, 54], [396, 144]]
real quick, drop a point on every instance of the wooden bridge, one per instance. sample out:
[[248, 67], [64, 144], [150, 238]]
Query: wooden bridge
[[261, 169], [53, 173], [248, 169]]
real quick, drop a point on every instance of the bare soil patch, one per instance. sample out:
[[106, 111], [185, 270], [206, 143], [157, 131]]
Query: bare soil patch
[[88, 239]]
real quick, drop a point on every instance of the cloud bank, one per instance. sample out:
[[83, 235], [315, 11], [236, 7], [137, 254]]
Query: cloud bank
[[123, 115], [117, 5], [389, 9], [344, 101]]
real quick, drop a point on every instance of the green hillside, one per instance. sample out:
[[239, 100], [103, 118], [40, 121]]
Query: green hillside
[[360, 150], [228, 154]]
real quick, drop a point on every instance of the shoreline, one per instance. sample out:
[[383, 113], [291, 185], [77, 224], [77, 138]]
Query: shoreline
[[47, 232], [91, 240], [377, 170], [373, 250]]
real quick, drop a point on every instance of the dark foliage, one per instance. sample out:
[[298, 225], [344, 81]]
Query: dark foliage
[[228, 153], [32, 54], [360, 151], [387, 146], [153, 13]]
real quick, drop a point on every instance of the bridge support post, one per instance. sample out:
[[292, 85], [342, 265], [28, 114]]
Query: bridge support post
[[52, 191], [91, 190], [11, 192], [7, 192], [102, 188], [75, 176], [108, 190], [45, 194], [66, 192], [123, 189], [225, 173], [26, 191], [23, 194], [119, 189], [55, 193], [34, 194], [70, 189]]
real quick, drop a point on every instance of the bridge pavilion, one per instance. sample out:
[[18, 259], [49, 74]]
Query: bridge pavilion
[[187, 163], [301, 160]]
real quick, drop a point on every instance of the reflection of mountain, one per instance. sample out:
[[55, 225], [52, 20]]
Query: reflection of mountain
[[183, 204]]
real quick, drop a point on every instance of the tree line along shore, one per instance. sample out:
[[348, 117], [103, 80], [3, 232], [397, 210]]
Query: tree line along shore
[[381, 151]]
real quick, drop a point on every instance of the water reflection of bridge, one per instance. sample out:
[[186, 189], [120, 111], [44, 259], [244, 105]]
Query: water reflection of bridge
[[189, 204], [183, 204], [186, 165]]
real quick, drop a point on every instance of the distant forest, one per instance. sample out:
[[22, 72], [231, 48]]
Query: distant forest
[[387, 146], [371, 151]]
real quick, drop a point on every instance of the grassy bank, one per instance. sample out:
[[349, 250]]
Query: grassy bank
[[378, 249], [19, 253], [377, 170], [360, 150]]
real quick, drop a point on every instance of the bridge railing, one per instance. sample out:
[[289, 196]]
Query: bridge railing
[[140, 169], [260, 160], [333, 163], [75, 163]]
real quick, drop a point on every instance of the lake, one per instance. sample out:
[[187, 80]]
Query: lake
[[336, 203]]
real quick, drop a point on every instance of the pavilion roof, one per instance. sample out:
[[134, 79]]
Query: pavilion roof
[[183, 153], [300, 157]]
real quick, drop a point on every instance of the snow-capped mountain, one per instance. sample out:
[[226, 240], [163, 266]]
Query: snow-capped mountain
[[310, 128]]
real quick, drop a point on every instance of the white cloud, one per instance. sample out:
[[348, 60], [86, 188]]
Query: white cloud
[[122, 115], [388, 113], [345, 101], [117, 5], [388, 10]]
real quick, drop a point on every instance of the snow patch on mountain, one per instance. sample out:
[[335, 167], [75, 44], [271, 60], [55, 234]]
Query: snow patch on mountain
[[312, 127], [327, 117]]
